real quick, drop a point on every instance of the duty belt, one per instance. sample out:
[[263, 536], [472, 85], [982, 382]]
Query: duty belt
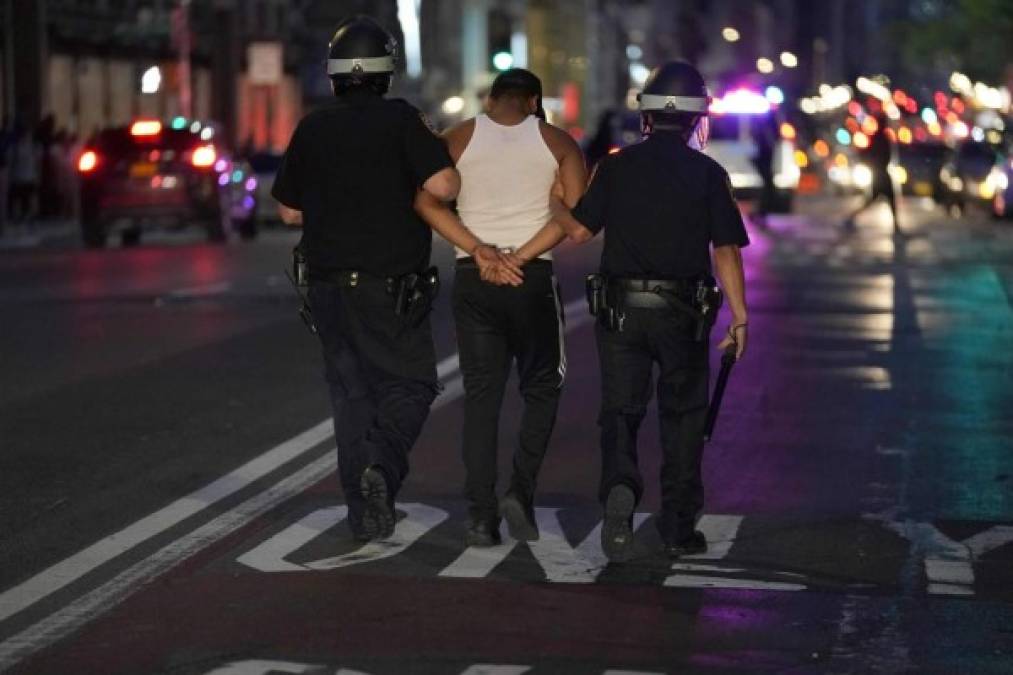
[[608, 298]]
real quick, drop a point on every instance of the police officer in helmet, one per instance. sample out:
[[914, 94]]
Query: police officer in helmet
[[350, 177], [664, 207]]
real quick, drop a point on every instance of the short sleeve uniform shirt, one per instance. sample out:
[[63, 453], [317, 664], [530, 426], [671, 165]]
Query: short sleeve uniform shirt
[[353, 168], [663, 206]]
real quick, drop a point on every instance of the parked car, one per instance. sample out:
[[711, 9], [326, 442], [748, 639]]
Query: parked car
[[1001, 180], [149, 174]]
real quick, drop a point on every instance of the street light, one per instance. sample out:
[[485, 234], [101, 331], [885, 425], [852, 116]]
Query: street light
[[789, 60], [765, 65], [730, 34], [151, 80]]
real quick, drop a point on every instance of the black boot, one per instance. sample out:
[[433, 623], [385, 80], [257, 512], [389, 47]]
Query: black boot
[[520, 517], [691, 545], [378, 519], [617, 531], [483, 533]]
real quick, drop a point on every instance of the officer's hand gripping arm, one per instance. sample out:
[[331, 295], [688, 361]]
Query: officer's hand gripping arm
[[444, 185], [570, 183], [728, 265]]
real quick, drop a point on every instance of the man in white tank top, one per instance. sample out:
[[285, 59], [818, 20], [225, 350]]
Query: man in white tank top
[[506, 299]]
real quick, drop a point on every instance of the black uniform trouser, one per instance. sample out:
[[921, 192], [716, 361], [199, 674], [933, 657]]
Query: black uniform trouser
[[627, 359], [496, 325], [382, 378]]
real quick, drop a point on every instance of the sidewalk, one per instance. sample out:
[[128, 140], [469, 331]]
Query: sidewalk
[[31, 235]]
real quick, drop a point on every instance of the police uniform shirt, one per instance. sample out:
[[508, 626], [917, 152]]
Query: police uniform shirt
[[664, 204], [353, 168]]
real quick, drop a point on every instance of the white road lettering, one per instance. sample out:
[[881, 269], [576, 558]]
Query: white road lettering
[[418, 521], [270, 556], [562, 562], [479, 561]]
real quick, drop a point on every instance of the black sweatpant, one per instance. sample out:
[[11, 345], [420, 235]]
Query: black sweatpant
[[627, 359], [382, 378], [496, 325]]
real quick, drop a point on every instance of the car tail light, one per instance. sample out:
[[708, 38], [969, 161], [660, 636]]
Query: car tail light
[[204, 156], [146, 128], [87, 161]]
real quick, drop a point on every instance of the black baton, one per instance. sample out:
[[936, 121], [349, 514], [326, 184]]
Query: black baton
[[727, 361]]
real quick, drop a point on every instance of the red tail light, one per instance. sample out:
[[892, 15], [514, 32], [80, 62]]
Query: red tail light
[[87, 161], [204, 156]]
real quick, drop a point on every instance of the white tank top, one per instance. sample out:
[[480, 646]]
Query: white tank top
[[507, 173]]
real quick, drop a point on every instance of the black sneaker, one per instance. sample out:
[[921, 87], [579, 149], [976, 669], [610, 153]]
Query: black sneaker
[[520, 517], [483, 533], [378, 518], [358, 532], [691, 545], [617, 532]]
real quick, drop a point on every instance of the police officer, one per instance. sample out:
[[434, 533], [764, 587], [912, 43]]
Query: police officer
[[662, 204], [350, 178]]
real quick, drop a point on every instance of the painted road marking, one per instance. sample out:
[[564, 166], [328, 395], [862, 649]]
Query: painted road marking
[[270, 556], [264, 667], [70, 618], [62, 573], [562, 562], [948, 563], [419, 520], [479, 561], [720, 531], [203, 291]]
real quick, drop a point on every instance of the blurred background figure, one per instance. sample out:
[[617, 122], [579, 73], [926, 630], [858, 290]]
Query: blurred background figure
[[24, 157], [5, 137], [763, 130], [878, 156], [603, 140]]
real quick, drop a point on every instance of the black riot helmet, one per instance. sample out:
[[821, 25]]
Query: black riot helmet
[[361, 55], [675, 98]]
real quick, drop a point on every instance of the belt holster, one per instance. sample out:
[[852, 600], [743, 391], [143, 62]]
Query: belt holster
[[414, 294], [604, 303]]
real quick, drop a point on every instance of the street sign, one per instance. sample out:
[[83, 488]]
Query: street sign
[[264, 62]]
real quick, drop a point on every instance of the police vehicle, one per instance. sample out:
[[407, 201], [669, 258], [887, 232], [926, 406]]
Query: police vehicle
[[734, 120], [148, 174]]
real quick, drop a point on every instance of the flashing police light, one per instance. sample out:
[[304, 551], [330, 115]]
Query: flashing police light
[[740, 102]]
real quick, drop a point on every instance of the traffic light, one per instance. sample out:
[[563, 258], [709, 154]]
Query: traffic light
[[499, 30]]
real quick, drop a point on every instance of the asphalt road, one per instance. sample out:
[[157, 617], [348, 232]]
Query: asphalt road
[[168, 500]]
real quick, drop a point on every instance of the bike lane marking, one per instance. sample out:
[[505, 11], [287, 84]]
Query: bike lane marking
[[88, 606]]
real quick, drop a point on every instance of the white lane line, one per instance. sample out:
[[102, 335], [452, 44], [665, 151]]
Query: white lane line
[[70, 569], [105, 597], [62, 573], [564, 563], [489, 669], [720, 531]]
